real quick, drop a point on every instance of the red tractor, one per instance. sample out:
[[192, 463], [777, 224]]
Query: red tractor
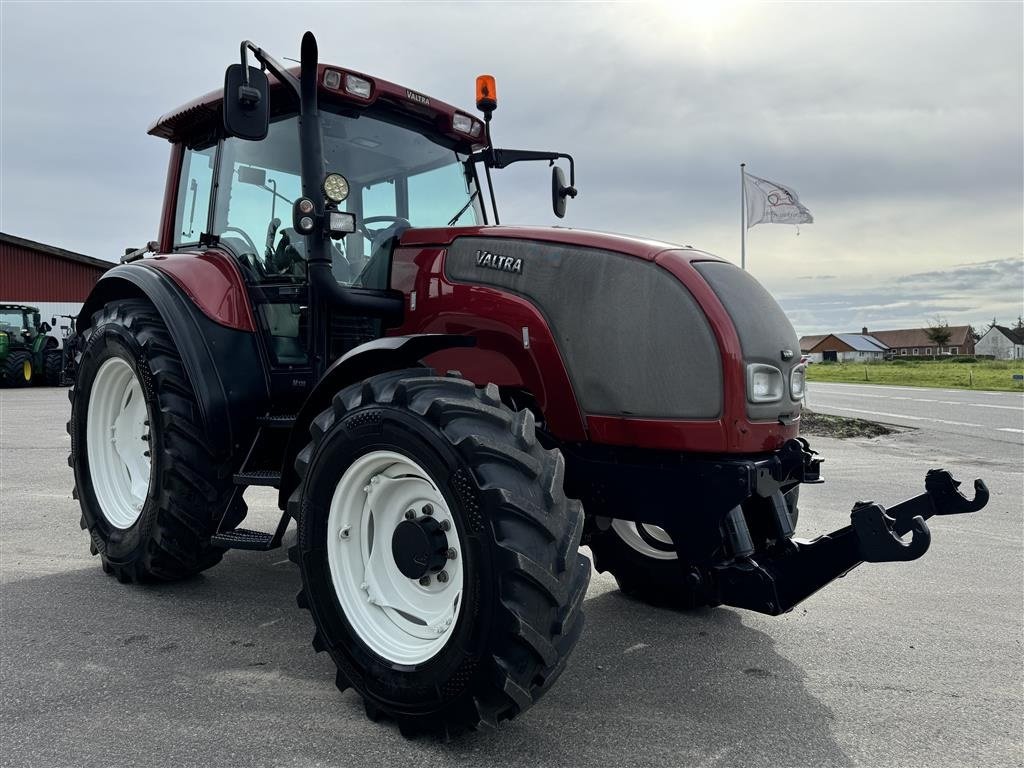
[[449, 407]]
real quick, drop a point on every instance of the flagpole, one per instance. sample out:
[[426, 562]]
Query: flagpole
[[743, 216]]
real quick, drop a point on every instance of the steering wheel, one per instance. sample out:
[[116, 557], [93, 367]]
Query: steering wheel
[[373, 234], [257, 264], [245, 237]]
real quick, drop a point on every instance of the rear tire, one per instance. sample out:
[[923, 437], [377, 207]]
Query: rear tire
[[156, 525], [17, 370], [52, 367], [521, 577]]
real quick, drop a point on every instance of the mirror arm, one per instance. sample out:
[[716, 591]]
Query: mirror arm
[[270, 64], [502, 158]]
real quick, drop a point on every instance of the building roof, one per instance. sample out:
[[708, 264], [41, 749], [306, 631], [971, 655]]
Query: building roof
[[959, 336], [861, 343], [1016, 336], [51, 250], [807, 343]]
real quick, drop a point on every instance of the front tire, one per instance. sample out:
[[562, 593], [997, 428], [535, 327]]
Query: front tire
[[17, 370], [150, 490], [397, 444]]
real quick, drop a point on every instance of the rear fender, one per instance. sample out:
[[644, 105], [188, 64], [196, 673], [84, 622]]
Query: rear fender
[[222, 364], [379, 356]]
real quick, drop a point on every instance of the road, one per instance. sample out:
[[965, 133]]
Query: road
[[979, 420], [899, 664]]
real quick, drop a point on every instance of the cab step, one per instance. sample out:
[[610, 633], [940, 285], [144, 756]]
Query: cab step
[[243, 538], [246, 538], [266, 477]]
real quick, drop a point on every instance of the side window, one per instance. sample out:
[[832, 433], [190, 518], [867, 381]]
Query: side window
[[194, 188]]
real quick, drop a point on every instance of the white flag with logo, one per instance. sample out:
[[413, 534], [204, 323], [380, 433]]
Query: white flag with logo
[[769, 202]]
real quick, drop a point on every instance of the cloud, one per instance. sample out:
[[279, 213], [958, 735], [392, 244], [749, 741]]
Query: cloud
[[962, 294], [900, 125]]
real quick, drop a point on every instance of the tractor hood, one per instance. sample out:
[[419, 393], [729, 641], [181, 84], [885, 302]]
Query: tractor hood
[[627, 245], [647, 329]]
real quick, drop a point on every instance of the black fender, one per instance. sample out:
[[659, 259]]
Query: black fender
[[389, 353], [222, 364]]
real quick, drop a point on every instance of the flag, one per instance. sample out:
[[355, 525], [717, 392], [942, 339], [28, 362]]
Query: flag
[[771, 203]]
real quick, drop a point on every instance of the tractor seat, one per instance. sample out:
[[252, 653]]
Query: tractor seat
[[290, 257]]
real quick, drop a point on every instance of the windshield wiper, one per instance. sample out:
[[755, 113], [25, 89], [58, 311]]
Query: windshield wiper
[[463, 209]]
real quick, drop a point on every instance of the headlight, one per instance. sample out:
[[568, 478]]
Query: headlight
[[764, 383], [798, 382]]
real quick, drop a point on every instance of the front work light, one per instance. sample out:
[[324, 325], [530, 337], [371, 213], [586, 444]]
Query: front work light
[[335, 187], [466, 124], [357, 86], [764, 383], [341, 223]]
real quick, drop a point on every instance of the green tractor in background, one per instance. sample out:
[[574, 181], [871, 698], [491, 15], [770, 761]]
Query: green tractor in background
[[27, 353]]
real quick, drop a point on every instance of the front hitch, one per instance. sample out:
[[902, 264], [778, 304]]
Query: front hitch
[[775, 582]]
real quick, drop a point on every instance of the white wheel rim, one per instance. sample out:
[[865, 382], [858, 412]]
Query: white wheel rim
[[117, 438], [399, 618], [629, 532]]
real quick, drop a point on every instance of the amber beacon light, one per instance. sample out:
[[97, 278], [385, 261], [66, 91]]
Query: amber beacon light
[[486, 94]]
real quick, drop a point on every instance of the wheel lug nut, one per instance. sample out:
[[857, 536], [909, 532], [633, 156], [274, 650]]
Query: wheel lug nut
[[425, 581], [445, 525], [410, 515], [428, 509], [345, 532], [451, 553], [442, 577]]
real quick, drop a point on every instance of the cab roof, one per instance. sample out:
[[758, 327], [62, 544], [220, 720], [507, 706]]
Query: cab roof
[[201, 115]]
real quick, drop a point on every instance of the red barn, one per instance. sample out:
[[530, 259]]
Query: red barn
[[55, 280]]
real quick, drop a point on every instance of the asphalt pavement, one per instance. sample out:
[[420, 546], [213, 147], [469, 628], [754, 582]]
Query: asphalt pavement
[[975, 421], [898, 664]]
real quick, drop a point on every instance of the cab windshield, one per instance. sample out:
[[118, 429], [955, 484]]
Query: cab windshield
[[16, 320], [398, 178]]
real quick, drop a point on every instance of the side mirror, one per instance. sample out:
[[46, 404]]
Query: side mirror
[[559, 192], [53, 320], [246, 103], [247, 174], [45, 328]]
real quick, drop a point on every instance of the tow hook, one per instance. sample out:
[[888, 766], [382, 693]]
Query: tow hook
[[880, 531], [775, 581]]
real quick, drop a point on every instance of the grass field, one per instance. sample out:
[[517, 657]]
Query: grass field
[[984, 374]]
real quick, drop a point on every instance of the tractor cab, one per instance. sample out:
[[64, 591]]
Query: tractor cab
[[391, 172], [384, 159], [19, 322]]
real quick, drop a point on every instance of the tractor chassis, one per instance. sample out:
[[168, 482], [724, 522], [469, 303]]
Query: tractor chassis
[[730, 496]]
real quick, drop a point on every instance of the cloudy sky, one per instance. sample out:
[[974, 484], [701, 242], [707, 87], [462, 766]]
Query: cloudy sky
[[900, 126]]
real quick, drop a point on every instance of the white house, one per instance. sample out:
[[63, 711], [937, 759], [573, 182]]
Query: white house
[[843, 348], [1002, 343]]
